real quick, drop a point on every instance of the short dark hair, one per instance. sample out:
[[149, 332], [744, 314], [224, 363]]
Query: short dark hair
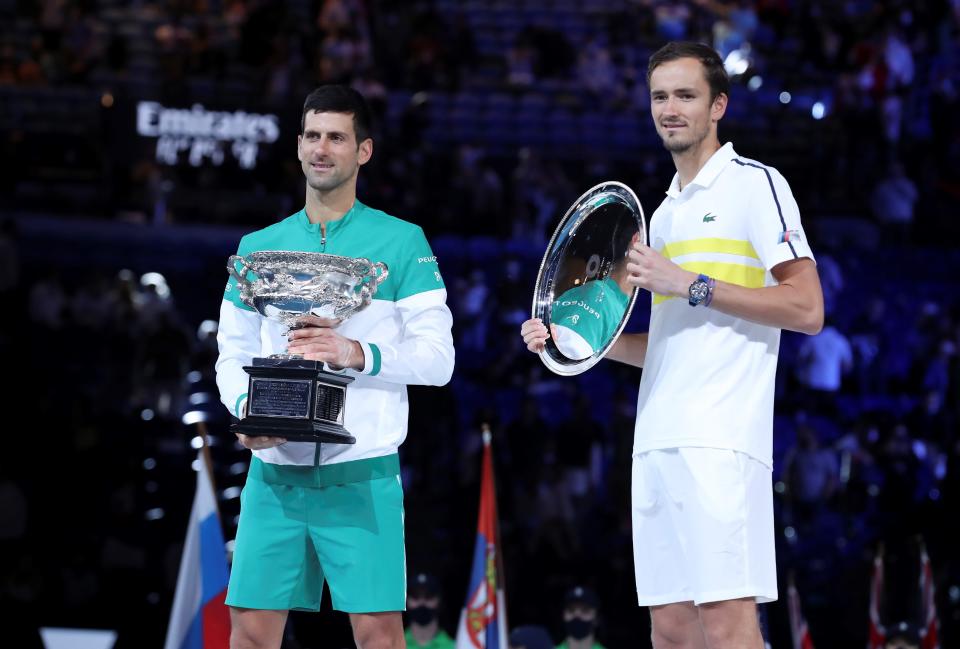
[[340, 99], [713, 68]]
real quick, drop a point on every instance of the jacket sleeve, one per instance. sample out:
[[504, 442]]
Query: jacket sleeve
[[424, 355], [238, 339]]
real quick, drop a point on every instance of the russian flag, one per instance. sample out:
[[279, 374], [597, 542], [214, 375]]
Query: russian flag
[[199, 618], [483, 619]]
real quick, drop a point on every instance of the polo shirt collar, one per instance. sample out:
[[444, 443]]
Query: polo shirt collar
[[709, 172]]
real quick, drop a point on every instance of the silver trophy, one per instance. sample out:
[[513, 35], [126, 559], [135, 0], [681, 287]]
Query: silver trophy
[[290, 396]]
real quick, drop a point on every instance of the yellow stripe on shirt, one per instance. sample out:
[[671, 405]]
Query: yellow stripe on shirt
[[715, 245], [741, 274]]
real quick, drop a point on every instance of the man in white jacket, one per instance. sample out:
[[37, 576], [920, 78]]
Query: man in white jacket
[[314, 513]]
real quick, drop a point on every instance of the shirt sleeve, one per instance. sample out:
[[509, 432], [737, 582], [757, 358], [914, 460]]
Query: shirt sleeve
[[424, 354], [775, 228], [238, 339]]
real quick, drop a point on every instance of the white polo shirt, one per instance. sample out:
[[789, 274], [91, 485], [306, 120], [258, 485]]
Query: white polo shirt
[[708, 377]]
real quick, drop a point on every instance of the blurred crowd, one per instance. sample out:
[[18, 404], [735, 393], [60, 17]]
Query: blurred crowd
[[493, 117]]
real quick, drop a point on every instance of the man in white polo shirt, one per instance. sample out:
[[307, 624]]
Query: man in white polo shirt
[[728, 267]]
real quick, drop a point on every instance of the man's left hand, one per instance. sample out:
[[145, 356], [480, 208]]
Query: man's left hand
[[317, 342], [650, 270]]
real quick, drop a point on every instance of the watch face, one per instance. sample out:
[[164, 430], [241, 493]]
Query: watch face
[[698, 291]]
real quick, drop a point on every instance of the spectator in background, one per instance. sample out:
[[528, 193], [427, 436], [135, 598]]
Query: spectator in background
[[423, 615], [580, 609], [595, 68], [898, 61], [812, 475], [822, 360], [892, 201]]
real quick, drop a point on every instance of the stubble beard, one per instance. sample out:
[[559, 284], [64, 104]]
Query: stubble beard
[[681, 146], [325, 185]]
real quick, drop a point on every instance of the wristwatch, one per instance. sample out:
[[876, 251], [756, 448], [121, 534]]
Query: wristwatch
[[701, 291]]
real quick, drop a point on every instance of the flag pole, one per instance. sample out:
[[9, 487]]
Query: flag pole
[[487, 434], [207, 459]]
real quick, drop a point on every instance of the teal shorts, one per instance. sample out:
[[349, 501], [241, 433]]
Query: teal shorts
[[303, 525]]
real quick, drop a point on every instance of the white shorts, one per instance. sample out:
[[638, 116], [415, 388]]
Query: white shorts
[[702, 527]]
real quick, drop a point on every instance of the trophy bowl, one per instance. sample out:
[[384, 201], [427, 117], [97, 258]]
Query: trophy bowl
[[289, 396], [288, 285], [582, 294]]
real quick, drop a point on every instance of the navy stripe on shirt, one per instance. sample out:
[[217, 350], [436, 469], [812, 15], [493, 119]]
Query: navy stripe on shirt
[[775, 199]]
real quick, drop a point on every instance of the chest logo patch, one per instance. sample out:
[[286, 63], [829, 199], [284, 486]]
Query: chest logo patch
[[789, 235], [709, 217]]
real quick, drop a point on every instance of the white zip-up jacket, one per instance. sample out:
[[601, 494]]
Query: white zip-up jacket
[[405, 332]]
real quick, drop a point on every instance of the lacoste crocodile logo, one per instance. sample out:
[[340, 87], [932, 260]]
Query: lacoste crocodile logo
[[709, 218]]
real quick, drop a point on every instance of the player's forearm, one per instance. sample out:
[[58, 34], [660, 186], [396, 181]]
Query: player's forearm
[[630, 349], [786, 306]]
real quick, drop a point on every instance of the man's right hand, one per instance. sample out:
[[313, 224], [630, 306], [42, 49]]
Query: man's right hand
[[259, 443], [535, 334]]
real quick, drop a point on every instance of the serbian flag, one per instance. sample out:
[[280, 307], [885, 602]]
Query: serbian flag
[[199, 619], [930, 634], [877, 635], [799, 630], [483, 620]]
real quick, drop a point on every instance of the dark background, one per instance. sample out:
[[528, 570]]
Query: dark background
[[492, 118]]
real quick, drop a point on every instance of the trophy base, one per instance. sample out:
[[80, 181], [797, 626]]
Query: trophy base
[[308, 431], [295, 399]]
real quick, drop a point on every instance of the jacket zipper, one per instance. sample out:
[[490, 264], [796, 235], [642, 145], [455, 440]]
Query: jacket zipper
[[323, 248]]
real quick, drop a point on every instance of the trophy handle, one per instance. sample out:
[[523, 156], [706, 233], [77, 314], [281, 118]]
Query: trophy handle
[[241, 277], [384, 272]]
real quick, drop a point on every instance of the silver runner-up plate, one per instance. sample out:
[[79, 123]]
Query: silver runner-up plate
[[582, 294]]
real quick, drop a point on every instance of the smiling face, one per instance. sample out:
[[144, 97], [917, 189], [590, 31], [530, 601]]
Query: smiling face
[[684, 114], [329, 152]]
